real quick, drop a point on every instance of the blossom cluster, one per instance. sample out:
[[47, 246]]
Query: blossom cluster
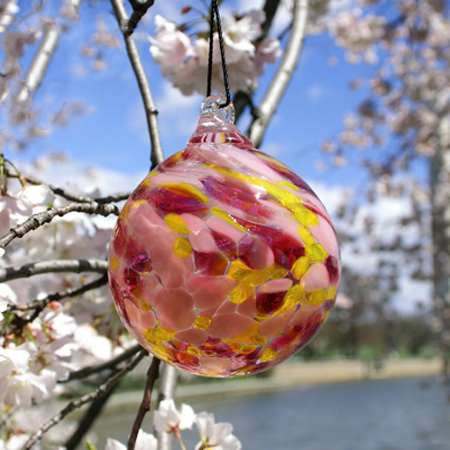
[[409, 95], [38, 352], [358, 34], [184, 59], [167, 419]]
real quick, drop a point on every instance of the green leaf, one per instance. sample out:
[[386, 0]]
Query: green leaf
[[90, 446]]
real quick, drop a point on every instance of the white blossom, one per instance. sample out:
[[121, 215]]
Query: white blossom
[[167, 418], [87, 338], [7, 297], [26, 386], [8, 7], [184, 59], [144, 441], [216, 435], [16, 358], [15, 442]]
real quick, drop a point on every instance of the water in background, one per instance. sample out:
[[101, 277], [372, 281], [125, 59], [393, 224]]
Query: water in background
[[397, 414]]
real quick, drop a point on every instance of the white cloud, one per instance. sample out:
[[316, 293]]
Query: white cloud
[[331, 196], [85, 177]]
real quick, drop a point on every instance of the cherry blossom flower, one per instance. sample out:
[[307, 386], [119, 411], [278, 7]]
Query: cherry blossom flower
[[15, 43], [215, 435], [18, 385], [267, 52], [8, 7], [168, 419], [144, 441], [24, 387], [184, 59], [16, 358], [87, 338], [7, 297], [15, 442]]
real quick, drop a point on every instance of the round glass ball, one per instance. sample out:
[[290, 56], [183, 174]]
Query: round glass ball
[[223, 261]]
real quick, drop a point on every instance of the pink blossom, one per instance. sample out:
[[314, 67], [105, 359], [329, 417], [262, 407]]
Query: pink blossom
[[16, 42], [267, 52]]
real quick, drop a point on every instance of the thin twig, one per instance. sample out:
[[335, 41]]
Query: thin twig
[[56, 190], [86, 371], [92, 414], [140, 7], [151, 112], [39, 305], [54, 266], [152, 376], [69, 195], [76, 404], [119, 197], [39, 219], [284, 73]]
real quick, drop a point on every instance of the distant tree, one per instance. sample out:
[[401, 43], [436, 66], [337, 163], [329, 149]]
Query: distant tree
[[405, 118]]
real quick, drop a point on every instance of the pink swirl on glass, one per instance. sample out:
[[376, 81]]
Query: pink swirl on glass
[[223, 261]]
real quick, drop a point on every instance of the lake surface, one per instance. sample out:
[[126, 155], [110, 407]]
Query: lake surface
[[397, 414]]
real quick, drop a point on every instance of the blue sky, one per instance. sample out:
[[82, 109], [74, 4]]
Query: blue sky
[[112, 133]]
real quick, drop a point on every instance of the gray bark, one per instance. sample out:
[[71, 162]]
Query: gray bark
[[440, 230]]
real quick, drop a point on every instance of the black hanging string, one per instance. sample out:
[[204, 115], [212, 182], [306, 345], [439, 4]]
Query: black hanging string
[[215, 18]]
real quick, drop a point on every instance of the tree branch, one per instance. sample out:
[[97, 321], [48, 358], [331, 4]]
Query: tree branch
[[111, 364], [40, 63], [70, 196], [270, 8], [283, 75], [152, 376], [41, 60], [140, 7], [76, 404], [39, 305], [39, 219], [119, 197], [166, 392], [151, 112], [88, 419], [55, 266]]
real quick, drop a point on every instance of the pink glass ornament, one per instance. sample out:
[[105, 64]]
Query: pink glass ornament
[[223, 261]]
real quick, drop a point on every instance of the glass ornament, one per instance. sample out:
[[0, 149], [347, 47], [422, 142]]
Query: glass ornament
[[223, 261]]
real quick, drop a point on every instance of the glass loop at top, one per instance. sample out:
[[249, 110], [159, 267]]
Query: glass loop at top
[[211, 108]]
